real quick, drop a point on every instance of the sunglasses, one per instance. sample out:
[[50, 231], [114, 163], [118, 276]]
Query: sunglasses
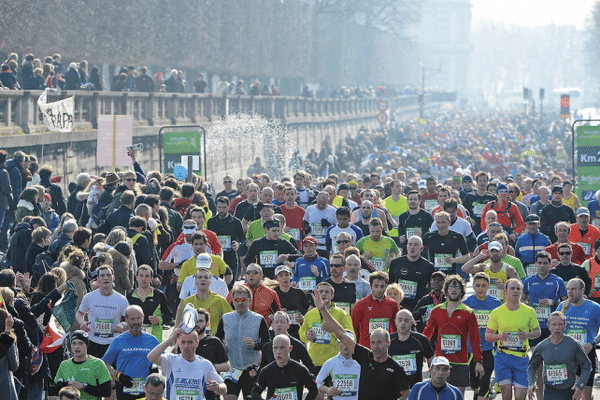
[[241, 300], [189, 227], [336, 265], [564, 253], [342, 241], [502, 191], [227, 181], [253, 272]]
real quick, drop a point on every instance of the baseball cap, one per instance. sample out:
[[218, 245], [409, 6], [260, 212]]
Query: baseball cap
[[501, 186], [189, 229], [440, 361], [203, 261], [532, 218], [583, 211], [422, 184], [557, 189], [538, 175], [310, 239], [455, 179], [438, 273], [282, 268], [467, 178], [495, 246]]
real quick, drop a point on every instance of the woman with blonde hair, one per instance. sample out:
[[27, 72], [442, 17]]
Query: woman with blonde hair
[[9, 361]]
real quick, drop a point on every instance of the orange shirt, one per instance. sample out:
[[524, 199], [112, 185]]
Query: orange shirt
[[588, 240]]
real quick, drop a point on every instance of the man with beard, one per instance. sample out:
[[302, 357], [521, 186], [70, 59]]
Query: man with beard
[[410, 349], [583, 321], [415, 221], [412, 272], [498, 271], [422, 310], [129, 351], [270, 250], [455, 323]]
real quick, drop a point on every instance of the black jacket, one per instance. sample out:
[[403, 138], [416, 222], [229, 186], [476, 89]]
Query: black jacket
[[19, 243]]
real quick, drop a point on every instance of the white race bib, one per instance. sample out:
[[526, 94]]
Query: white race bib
[[408, 362], [531, 270], [410, 232], [478, 209], [308, 283], [586, 248], [347, 384], [378, 263], [375, 323], [321, 336], [409, 288], [542, 312], [556, 374], [225, 242], [483, 317], [343, 306], [494, 291], [317, 230], [597, 282], [187, 394], [289, 393], [137, 388], [578, 334], [440, 263], [295, 233], [292, 314], [430, 205], [513, 342], [450, 344], [103, 327], [268, 258]]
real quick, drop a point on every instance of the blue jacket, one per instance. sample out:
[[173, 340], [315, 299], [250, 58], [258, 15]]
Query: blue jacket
[[303, 269], [529, 245], [119, 217], [426, 391]]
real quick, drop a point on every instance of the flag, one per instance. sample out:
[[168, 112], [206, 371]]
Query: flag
[[58, 116]]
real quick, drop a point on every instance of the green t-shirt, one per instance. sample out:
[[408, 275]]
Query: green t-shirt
[[380, 251], [92, 371]]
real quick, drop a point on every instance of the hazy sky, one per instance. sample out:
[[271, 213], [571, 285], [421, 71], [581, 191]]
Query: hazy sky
[[533, 12]]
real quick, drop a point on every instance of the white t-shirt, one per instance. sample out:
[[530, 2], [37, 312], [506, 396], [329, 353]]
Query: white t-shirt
[[314, 216], [189, 288], [345, 374], [179, 254], [187, 380], [104, 312]]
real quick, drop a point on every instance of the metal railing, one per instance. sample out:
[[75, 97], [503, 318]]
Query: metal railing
[[19, 112]]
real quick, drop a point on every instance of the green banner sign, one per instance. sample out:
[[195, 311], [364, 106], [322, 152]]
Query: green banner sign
[[588, 162], [181, 142]]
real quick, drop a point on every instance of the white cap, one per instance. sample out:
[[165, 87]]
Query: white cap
[[203, 261]]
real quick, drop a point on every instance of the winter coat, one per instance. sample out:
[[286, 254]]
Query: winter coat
[[123, 273]]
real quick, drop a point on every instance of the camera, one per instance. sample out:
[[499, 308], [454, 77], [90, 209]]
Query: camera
[[136, 147]]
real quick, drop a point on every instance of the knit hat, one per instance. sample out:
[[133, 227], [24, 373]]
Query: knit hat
[[81, 335]]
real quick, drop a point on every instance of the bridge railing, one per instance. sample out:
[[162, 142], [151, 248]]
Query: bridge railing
[[19, 112]]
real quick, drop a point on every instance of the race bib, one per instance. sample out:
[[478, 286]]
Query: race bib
[[556, 374], [542, 312], [409, 288], [137, 388], [289, 393], [494, 291], [344, 306], [578, 334], [347, 384], [292, 314], [430, 205], [295, 233], [483, 317], [187, 394], [378, 263], [233, 375], [308, 283], [597, 282], [410, 232], [147, 328], [317, 230], [478, 209], [268, 258], [375, 323], [427, 314], [321, 336], [586, 247], [450, 344], [408, 362], [103, 328], [440, 263], [531, 270], [513, 342], [225, 242]]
